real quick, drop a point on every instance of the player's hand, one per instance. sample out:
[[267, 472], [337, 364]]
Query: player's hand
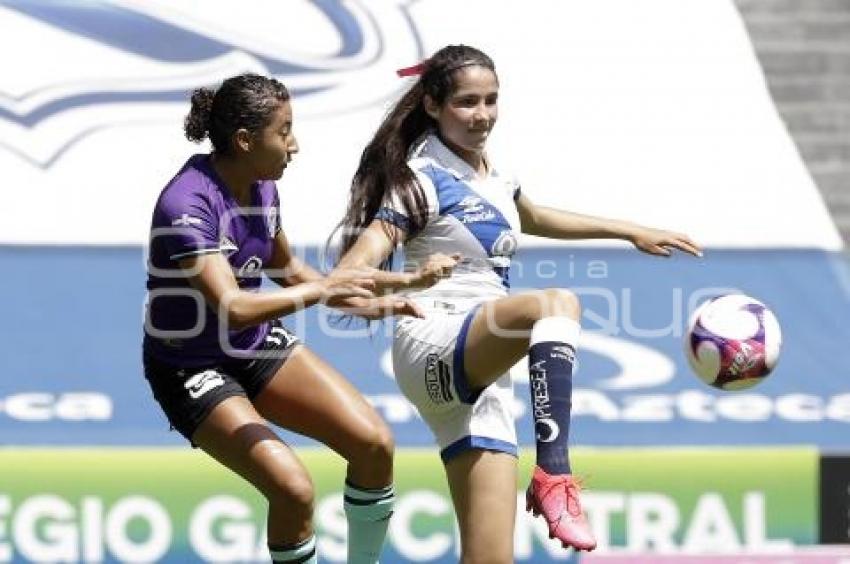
[[436, 267], [385, 306], [658, 242], [342, 286]]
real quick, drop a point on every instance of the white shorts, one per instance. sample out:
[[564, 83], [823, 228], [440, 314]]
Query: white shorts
[[428, 366]]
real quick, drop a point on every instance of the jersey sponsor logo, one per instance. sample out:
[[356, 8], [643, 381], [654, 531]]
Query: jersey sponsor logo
[[203, 382], [474, 209], [43, 114], [437, 379]]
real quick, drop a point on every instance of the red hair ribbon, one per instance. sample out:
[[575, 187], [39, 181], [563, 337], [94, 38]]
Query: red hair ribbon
[[415, 70]]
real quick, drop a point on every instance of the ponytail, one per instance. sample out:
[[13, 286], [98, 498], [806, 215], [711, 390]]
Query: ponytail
[[197, 123]]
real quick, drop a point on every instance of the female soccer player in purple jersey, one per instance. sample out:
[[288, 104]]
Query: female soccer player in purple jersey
[[425, 181], [218, 361]]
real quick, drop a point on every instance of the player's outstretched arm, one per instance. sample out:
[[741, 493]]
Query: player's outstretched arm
[[559, 224], [374, 245], [213, 277], [371, 248], [287, 270]]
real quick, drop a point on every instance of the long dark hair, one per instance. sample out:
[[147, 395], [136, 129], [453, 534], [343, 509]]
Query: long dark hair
[[383, 170], [244, 101]]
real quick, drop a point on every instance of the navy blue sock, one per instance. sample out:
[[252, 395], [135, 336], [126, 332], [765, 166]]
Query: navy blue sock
[[551, 359]]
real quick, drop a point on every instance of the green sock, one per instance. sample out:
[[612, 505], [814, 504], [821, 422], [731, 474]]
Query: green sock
[[368, 513]]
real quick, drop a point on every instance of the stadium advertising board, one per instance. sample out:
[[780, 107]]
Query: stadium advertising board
[[632, 387], [173, 505]]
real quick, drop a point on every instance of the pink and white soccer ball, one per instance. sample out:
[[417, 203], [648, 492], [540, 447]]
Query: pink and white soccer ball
[[733, 342]]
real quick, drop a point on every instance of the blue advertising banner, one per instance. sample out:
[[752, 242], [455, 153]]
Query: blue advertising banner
[[72, 326]]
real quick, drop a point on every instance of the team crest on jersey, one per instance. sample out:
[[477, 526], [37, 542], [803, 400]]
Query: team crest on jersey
[[505, 245], [126, 69], [252, 267]]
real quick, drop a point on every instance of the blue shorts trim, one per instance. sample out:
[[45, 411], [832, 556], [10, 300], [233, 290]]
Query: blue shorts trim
[[473, 442], [464, 394]]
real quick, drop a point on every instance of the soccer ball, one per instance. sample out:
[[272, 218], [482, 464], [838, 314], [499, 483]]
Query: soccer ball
[[732, 342]]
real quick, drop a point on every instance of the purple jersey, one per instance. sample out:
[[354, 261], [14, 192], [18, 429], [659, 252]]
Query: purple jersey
[[195, 215]]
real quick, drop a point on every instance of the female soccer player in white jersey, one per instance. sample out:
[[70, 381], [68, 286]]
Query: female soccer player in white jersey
[[217, 359], [425, 181]]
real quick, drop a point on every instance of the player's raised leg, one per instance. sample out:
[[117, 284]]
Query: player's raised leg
[[544, 325]]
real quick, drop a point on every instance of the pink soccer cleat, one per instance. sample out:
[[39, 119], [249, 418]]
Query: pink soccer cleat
[[557, 498]]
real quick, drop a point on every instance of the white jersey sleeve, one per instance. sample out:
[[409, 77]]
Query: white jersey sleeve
[[392, 209]]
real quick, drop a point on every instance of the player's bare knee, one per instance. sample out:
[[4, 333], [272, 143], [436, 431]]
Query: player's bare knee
[[560, 301], [377, 451], [293, 490], [370, 456], [385, 445]]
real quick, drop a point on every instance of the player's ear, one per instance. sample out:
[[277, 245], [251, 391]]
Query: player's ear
[[432, 108], [243, 140]]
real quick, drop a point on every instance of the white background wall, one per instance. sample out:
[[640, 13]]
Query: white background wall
[[654, 111]]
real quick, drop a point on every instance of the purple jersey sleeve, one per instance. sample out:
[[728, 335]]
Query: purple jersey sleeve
[[186, 223]]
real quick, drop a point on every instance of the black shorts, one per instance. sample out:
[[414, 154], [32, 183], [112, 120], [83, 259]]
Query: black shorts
[[188, 394]]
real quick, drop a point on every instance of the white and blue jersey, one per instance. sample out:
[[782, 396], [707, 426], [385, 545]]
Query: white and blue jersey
[[473, 216], [477, 218]]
